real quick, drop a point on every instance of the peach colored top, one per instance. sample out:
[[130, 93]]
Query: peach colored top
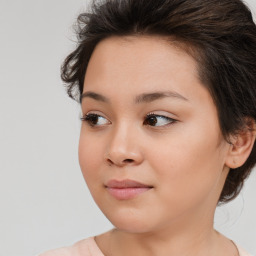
[[88, 247]]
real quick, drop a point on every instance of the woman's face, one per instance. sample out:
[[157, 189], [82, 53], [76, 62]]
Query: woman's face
[[150, 150]]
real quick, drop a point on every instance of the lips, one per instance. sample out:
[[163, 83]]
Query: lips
[[126, 189]]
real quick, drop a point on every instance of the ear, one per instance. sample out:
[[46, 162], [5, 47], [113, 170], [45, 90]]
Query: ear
[[241, 145]]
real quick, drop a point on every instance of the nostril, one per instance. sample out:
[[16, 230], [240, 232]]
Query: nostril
[[121, 163], [109, 162], [128, 160]]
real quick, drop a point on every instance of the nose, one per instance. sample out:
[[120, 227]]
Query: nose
[[124, 147]]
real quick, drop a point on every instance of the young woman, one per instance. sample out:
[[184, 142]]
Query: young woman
[[168, 95]]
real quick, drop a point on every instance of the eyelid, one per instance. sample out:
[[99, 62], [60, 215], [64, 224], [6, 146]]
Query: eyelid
[[96, 113], [167, 116], [160, 113]]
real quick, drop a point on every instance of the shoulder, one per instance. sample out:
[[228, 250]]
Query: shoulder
[[85, 247], [65, 251]]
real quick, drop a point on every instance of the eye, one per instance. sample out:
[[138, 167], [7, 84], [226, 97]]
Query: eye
[[158, 120], [94, 120]]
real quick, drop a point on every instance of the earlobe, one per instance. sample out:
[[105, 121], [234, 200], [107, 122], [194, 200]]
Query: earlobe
[[241, 146]]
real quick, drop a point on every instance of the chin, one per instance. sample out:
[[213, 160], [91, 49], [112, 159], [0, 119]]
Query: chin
[[130, 222]]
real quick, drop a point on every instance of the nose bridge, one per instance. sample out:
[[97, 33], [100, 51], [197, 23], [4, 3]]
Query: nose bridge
[[123, 147]]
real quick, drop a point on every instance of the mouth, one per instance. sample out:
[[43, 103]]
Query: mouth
[[126, 189]]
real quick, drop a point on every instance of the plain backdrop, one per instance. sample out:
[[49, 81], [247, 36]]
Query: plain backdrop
[[44, 200]]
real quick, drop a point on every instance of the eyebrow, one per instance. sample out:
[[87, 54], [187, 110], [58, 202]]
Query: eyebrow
[[93, 95], [148, 97], [142, 98]]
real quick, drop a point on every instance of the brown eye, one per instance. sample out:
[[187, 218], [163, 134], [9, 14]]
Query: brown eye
[[92, 119], [151, 120], [158, 120], [95, 120]]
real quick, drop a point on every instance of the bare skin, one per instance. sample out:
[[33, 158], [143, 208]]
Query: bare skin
[[111, 244], [171, 143]]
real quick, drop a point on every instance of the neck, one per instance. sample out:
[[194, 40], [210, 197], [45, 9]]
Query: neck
[[193, 236], [188, 241]]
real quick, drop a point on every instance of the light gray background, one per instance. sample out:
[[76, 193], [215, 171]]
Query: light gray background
[[44, 201]]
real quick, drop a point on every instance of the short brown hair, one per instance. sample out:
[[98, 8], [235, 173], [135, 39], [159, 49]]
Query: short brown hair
[[223, 36]]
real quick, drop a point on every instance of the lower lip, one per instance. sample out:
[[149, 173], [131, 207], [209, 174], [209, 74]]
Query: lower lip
[[126, 193]]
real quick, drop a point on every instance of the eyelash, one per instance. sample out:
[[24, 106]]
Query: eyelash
[[88, 119]]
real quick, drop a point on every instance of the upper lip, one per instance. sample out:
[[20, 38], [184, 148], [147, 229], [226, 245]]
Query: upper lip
[[126, 184]]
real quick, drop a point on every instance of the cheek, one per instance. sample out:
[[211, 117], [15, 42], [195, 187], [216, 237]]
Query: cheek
[[188, 166], [90, 156]]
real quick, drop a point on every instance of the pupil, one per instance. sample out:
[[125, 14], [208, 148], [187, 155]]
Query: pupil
[[94, 119], [152, 120]]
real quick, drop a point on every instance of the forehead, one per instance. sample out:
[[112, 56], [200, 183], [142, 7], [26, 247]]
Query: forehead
[[143, 47], [150, 60]]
